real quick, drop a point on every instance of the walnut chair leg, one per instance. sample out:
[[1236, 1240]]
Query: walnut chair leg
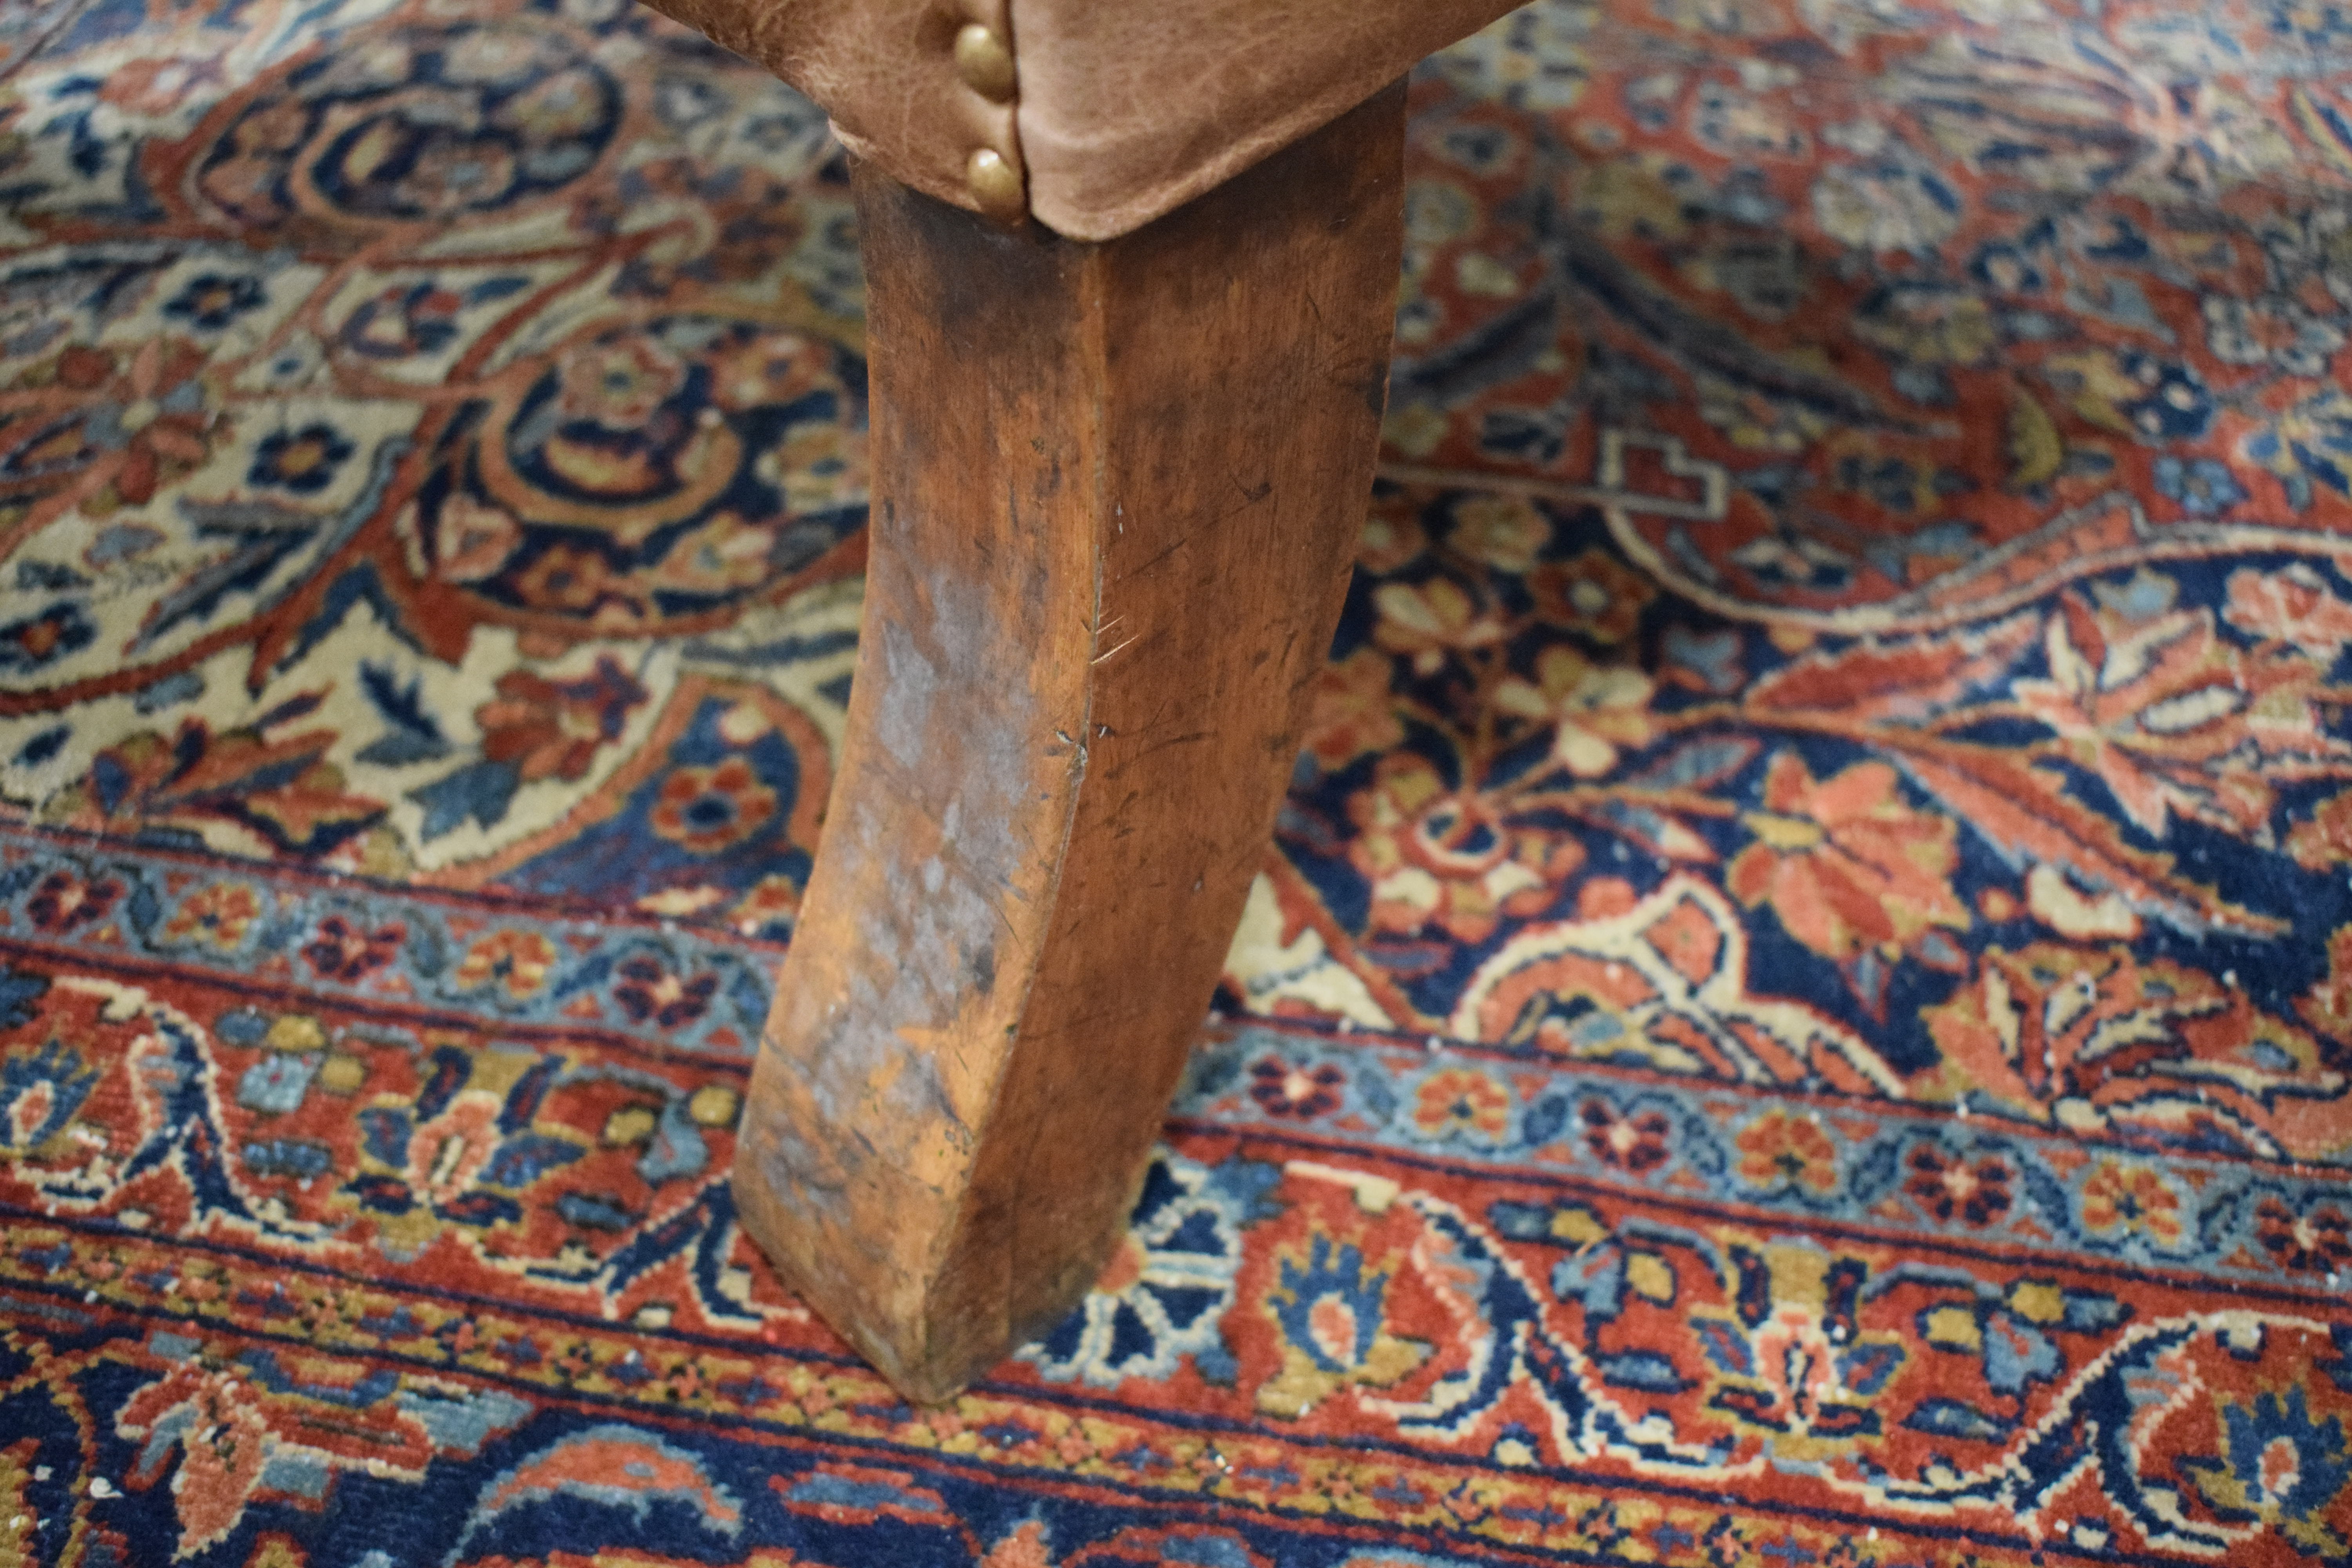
[[1117, 489]]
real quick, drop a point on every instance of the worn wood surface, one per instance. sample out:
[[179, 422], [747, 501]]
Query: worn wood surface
[[1117, 489]]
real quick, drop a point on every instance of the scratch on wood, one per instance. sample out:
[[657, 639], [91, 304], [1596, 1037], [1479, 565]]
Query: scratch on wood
[[1171, 741], [1250, 497], [1156, 560]]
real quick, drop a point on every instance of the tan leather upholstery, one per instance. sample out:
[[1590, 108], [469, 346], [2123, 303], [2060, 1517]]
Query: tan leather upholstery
[[1130, 108], [1125, 108]]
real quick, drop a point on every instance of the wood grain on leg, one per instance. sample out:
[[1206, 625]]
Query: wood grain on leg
[[1117, 489]]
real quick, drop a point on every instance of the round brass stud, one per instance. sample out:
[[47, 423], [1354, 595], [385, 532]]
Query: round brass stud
[[995, 185], [984, 62]]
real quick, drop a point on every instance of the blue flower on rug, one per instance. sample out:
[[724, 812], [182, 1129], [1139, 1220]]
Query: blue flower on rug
[[303, 461], [2279, 1465], [36, 640], [2204, 488], [1329, 1307], [1166, 1291], [213, 301], [1331, 1310]]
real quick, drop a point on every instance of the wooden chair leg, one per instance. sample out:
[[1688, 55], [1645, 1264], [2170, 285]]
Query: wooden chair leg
[[1117, 489]]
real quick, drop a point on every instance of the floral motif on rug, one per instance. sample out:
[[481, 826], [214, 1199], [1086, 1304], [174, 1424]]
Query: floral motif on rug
[[1798, 1013]]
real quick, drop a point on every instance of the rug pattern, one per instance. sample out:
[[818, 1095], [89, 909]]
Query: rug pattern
[[1799, 1014]]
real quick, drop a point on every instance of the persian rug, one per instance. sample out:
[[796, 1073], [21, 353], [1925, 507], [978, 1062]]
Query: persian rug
[[1797, 1017]]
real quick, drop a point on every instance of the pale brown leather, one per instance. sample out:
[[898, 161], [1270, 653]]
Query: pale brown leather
[[885, 71], [1125, 108], [1130, 108]]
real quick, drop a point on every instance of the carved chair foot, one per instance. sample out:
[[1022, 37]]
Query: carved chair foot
[[1117, 490]]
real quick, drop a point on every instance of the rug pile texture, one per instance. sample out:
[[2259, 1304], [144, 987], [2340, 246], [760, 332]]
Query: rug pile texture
[[1798, 1016]]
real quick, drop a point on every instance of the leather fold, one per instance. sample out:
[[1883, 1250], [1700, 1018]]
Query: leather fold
[[1130, 109], [1124, 110]]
